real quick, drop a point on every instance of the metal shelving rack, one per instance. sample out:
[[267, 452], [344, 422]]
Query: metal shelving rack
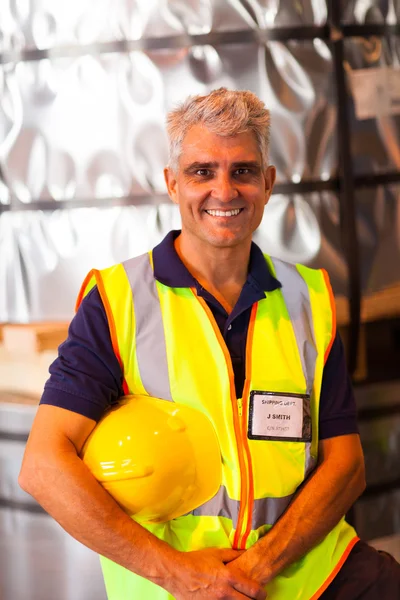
[[334, 32]]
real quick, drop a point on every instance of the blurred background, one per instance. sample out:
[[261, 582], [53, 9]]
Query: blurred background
[[84, 90]]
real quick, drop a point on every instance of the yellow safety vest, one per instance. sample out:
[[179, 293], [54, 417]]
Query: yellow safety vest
[[169, 346]]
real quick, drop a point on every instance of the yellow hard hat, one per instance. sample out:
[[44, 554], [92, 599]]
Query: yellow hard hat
[[158, 459]]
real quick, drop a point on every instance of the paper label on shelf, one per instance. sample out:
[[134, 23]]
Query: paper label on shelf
[[376, 92]]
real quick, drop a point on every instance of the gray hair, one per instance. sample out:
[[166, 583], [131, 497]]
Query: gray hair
[[224, 112]]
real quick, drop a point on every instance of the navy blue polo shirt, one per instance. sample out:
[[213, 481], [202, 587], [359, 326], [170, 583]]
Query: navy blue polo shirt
[[86, 377]]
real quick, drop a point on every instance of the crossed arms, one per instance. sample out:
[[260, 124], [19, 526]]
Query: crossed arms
[[55, 476]]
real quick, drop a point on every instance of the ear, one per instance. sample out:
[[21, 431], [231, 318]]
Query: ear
[[270, 176], [171, 183]]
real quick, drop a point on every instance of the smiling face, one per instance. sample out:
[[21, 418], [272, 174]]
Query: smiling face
[[220, 186]]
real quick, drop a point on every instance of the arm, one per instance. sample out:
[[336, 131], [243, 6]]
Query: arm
[[54, 474], [317, 507]]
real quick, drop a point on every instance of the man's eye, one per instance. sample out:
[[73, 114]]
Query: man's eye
[[243, 171], [203, 172]]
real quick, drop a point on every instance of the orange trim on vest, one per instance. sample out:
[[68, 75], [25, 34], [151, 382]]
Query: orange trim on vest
[[83, 288], [336, 570], [111, 324], [235, 412], [333, 307], [245, 403]]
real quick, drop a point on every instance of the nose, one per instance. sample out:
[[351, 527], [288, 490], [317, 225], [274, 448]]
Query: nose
[[224, 188]]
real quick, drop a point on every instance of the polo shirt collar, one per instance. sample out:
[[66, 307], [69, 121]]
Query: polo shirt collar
[[170, 270]]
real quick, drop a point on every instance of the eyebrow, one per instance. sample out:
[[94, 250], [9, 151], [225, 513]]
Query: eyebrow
[[213, 165], [247, 163], [200, 165]]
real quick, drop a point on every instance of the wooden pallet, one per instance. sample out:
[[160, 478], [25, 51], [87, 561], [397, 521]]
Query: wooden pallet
[[33, 337], [384, 304]]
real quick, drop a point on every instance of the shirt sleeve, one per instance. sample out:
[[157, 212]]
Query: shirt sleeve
[[86, 377], [337, 407]]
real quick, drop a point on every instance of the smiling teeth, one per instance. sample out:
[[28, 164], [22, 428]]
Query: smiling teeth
[[223, 213]]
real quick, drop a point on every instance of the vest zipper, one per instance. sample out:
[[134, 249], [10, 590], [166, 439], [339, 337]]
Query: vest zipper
[[243, 525], [247, 500], [237, 422], [239, 541]]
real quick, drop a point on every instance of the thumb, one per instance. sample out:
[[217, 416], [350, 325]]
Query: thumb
[[229, 554], [248, 587]]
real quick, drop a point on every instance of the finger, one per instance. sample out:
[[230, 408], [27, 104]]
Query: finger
[[250, 588], [262, 594], [234, 594]]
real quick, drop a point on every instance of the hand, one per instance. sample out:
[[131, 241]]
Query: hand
[[205, 574], [251, 566]]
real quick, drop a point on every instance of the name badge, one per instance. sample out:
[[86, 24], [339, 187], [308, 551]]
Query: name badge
[[279, 416]]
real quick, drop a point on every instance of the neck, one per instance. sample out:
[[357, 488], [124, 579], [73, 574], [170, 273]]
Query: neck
[[221, 271]]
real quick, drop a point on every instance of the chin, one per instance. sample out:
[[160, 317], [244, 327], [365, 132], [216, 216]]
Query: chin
[[225, 241]]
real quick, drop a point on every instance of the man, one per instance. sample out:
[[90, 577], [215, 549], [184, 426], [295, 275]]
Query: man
[[205, 319]]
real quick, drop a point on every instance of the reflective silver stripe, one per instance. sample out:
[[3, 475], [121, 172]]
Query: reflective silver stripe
[[220, 505], [150, 339], [297, 300], [266, 511], [311, 462]]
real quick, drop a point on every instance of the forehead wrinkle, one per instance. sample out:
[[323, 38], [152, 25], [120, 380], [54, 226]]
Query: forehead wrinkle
[[194, 166], [198, 136], [203, 164], [202, 146]]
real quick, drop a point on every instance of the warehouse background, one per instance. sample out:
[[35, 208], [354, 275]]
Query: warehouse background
[[84, 91]]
